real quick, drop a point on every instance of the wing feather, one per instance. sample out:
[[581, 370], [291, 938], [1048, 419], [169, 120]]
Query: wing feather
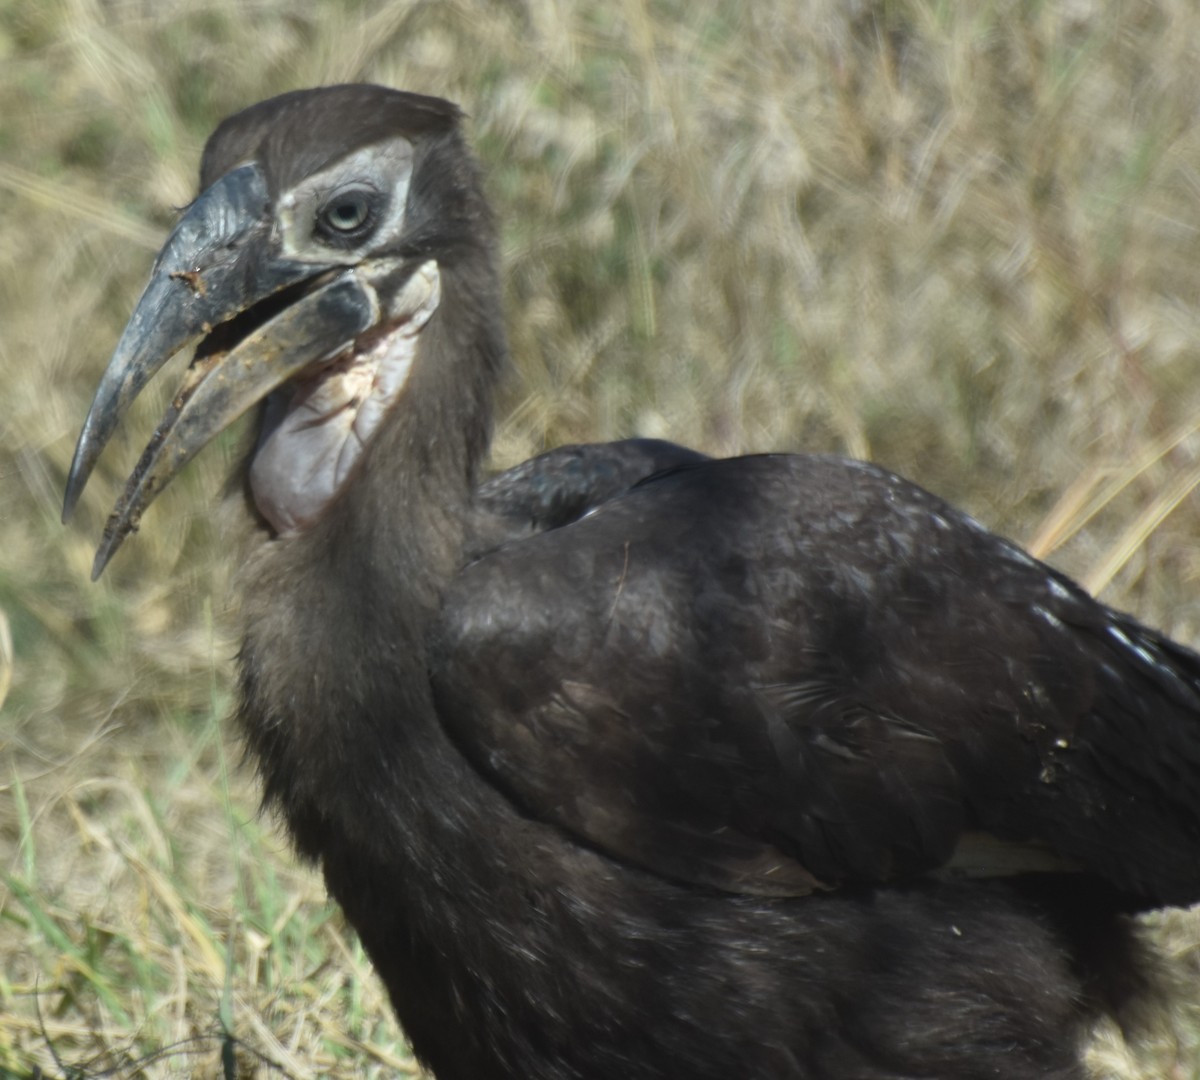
[[777, 674]]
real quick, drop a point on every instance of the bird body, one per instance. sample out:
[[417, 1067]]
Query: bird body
[[629, 762]]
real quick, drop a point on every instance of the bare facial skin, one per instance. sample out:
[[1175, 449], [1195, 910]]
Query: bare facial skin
[[317, 426]]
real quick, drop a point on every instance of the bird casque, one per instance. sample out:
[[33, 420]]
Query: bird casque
[[628, 762]]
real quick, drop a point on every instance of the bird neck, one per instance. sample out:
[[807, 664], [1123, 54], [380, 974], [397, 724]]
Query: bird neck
[[336, 700], [402, 517]]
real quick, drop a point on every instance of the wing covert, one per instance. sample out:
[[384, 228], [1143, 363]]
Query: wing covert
[[778, 674]]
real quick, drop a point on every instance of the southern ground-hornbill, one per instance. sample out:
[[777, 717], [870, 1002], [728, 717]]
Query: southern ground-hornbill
[[630, 763]]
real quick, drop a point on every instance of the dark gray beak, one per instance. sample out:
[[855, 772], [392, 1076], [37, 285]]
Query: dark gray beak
[[220, 262]]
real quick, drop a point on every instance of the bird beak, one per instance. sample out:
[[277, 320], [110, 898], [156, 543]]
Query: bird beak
[[218, 263]]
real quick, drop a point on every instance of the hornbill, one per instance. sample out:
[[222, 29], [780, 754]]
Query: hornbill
[[630, 762]]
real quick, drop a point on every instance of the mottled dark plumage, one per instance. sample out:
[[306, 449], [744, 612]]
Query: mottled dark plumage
[[631, 763]]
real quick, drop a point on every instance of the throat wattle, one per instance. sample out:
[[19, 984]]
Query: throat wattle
[[316, 427], [315, 430]]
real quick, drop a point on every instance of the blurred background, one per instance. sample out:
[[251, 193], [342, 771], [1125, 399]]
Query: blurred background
[[958, 239]]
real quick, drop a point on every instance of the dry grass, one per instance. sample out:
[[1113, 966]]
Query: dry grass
[[960, 239]]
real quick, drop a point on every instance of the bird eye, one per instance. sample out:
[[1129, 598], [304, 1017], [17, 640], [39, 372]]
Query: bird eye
[[347, 213]]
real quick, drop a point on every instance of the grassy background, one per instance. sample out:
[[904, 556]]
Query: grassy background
[[960, 239]]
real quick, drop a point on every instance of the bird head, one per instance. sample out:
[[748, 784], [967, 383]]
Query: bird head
[[307, 270]]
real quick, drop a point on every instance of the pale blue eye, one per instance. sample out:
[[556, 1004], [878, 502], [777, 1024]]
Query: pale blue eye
[[347, 212]]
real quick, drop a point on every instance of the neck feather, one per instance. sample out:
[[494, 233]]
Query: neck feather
[[336, 702]]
